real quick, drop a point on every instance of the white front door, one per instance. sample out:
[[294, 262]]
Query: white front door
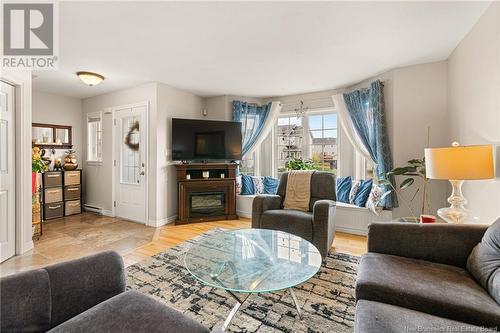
[[7, 172], [130, 133]]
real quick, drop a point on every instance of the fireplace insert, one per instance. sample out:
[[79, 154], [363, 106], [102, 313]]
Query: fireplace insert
[[206, 204]]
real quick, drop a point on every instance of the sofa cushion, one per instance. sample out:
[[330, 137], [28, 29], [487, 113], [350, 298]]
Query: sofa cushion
[[25, 302], [270, 185], [375, 317], [484, 261], [363, 193], [322, 187], [441, 290], [78, 285], [344, 188], [131, 312], [258, 185], [247, 185], [292, 221]]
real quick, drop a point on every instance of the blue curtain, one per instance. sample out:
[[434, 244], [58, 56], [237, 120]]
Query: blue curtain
[[252, 118], [366, 108]]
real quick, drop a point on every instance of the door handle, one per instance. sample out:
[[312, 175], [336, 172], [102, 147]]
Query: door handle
[[142, 173]]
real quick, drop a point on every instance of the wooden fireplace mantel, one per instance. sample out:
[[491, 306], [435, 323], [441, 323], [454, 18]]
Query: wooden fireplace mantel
[[197, 184]]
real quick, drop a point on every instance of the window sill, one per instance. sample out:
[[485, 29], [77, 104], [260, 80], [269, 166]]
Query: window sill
[[96, 163]]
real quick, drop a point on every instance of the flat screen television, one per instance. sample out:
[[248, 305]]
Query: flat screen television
[[204, 140]]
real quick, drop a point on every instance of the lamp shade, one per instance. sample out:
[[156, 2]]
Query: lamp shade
[[459, 163]]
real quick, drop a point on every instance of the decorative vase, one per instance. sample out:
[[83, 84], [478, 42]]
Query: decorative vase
[[70, 161], [36, 153]]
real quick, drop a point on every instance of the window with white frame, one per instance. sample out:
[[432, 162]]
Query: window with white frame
[[289, 132], [315, 137], [248, 164], [94, 137], [312, 137], [323, 137]]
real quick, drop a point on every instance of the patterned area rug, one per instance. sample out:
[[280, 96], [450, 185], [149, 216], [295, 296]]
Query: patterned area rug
[[327, 299]]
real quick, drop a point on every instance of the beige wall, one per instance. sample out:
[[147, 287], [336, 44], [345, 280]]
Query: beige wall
[[165, 103], [97, 179], [172, 103], [60, 110], [419, 102], [474, 104]]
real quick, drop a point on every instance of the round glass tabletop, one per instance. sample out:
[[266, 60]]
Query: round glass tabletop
[[252, 260]]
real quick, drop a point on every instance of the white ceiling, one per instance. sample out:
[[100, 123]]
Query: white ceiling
[[251, 49]]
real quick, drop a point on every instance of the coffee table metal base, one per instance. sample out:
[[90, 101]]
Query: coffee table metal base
[[239, 303]]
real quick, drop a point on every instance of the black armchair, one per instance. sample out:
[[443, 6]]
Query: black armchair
[[316, 225]]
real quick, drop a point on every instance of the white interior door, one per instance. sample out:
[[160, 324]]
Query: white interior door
[[7, 172], [130, 132]]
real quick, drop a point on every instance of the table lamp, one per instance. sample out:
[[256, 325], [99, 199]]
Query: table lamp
[[456, 164]]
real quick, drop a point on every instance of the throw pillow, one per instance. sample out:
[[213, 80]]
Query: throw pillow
[[354, 190], [344, 188], [373, 202], [238, 184], [363, 192], [270, 185], [258, 184], [484, 261], [247, 185]]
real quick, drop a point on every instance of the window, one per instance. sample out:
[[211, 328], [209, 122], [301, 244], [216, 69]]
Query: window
[[248, 165], [94, 137], [323, 141], [312, 137], [364, 168], [290, 133]]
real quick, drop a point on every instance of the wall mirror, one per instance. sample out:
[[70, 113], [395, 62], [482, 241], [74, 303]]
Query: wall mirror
[[51, 136]]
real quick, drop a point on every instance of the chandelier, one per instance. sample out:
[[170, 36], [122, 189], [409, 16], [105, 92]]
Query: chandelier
[[301, 110]]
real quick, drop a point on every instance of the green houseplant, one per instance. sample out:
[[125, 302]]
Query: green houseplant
[[299, 164], [415, 169], [37, 165]]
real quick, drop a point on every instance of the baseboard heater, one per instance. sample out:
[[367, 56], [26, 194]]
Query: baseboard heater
[[93, 209]]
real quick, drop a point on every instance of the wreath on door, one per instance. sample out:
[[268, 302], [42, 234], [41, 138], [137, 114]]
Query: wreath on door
[[128, 139]]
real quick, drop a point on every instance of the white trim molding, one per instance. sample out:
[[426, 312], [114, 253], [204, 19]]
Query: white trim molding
[[161, 222], [24, 230]]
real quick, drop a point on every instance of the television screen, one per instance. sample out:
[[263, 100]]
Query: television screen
[[196, 140]]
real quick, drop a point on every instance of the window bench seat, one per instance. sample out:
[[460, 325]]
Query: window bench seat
[[348, 218]]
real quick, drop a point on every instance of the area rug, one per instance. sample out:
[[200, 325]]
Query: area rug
[[327, 299]]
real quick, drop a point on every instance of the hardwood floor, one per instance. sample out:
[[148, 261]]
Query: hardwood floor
[[79, 235]]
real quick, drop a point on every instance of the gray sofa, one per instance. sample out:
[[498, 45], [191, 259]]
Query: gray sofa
[[429, 277], [84, 295], [316, 225]]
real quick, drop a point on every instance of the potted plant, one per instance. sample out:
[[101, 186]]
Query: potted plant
[[413, 170], [299, 164]]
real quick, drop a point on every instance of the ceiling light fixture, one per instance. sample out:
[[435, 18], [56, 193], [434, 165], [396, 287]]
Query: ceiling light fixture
[[89, 78]]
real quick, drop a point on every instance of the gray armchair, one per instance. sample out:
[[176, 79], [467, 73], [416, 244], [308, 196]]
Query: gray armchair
[[316, 225]]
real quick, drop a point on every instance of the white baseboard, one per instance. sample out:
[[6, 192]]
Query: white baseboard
[[354, 231], [246, 214], [161, 222], [107, 213]]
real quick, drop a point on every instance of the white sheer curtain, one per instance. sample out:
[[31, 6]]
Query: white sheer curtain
[[348, 127]]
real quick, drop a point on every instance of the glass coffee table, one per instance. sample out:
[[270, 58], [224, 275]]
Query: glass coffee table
[[249, 261]]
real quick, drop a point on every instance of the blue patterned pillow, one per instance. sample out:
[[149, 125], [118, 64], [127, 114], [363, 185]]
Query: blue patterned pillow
[[270, 185], [344, 188], [363, 192], [247, 185]]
